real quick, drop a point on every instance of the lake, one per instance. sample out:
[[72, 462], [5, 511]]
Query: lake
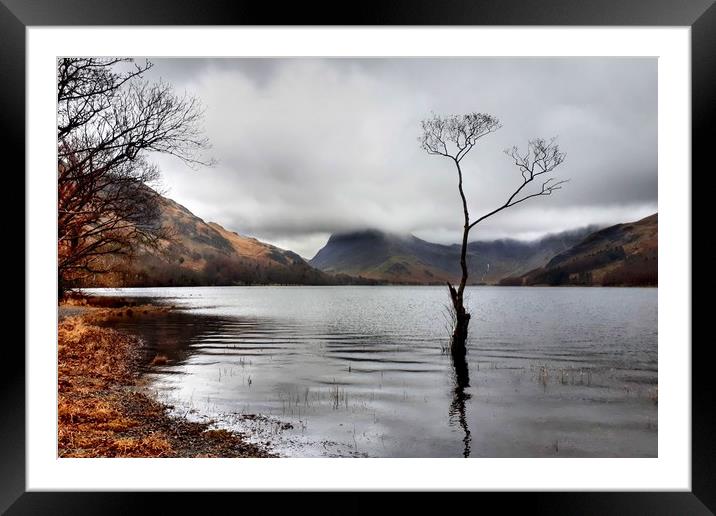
[[362, 371]]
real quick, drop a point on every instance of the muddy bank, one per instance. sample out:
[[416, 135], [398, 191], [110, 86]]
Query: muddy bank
[[103, 410]]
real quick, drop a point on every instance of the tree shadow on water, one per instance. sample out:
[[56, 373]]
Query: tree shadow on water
[[461, 376]]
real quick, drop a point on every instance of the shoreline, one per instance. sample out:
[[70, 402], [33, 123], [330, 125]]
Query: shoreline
[[103, 410], [299, 285]]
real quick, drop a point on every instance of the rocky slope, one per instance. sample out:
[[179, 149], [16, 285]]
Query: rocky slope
[[205, 253]]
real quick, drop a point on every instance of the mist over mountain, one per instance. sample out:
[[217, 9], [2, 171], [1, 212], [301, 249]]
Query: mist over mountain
[[400, 258]]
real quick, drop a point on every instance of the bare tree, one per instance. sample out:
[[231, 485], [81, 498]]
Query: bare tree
[[454, 137], [108, 122]]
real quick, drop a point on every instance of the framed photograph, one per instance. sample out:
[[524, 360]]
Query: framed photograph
[[415, 249]]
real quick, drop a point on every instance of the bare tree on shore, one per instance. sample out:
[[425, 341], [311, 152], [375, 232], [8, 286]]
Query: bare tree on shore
[[454, 137], [109, 120]]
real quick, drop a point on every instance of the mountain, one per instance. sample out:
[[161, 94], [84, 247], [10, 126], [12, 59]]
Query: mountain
[[620, 255], [205, 253], [407, 259]]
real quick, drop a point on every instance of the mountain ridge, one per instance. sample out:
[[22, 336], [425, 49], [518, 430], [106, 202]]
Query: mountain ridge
[[405, 258], [201, 253], [619, 255]]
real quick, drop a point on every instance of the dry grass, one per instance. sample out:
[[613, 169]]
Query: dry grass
[[100, 411]]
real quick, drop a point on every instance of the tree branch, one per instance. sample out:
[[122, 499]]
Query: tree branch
[[541, 158]]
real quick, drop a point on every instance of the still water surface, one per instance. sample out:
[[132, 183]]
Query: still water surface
[[360, 371]]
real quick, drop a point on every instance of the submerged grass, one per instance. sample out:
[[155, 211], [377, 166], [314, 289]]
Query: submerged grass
[[102, 411]]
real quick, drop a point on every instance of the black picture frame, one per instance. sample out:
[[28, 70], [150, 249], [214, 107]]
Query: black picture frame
[[700, 15]]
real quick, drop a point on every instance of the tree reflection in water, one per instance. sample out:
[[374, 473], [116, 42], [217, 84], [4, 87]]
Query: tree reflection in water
[[460, 396]]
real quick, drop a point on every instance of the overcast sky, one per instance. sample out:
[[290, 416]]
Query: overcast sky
[[307, 147]]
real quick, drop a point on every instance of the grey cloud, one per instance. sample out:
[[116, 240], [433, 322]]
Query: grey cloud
[[311, 146]]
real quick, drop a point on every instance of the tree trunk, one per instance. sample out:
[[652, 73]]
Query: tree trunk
[[462, 320], [458, 348]]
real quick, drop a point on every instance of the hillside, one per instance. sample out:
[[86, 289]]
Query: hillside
[[205, 253], [408, 259], [620, 255]]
